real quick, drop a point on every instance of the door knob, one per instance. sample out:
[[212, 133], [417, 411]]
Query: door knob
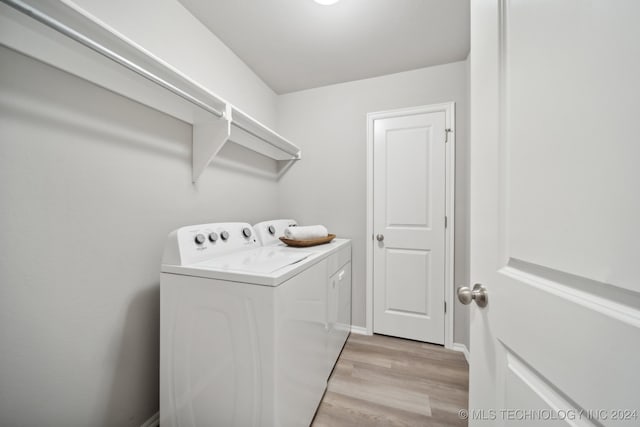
[[380, 237], [478, 294]]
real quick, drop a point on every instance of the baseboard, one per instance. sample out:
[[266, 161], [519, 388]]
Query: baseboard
[[154, 421], [461, 348], [360, 330]]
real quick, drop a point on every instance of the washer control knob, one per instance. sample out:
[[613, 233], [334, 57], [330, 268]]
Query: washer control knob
[[213, 236], [246, 232], [224, 235], [272, 230], [200, 239]]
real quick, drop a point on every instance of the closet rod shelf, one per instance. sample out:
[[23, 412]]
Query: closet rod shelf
[[60, 33]]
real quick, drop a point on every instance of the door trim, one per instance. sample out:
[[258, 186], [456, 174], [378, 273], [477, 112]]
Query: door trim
[[449, 109]]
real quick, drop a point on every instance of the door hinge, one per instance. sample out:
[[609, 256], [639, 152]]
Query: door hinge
[[445, 306], [446, 134], [446, 221]]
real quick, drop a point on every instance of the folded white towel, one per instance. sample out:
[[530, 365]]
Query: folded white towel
[[306, 233]]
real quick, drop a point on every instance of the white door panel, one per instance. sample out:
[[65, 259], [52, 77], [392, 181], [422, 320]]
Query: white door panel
[[407, 168], [408, 269], [409, 210], [570, 131], [554, 231]]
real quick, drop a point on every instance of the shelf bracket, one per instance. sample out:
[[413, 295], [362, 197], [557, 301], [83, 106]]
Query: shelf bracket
[[209, 136]]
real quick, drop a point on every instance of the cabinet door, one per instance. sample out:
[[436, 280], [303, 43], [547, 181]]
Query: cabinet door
[[338, 313], [332, 320], [343, 325]]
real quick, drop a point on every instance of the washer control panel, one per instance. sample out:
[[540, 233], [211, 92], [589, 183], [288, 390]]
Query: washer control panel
[[197, 243]]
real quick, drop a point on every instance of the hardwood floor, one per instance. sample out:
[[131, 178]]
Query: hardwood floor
[[385, 381]]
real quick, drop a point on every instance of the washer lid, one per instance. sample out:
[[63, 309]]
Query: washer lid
[[262, 260]]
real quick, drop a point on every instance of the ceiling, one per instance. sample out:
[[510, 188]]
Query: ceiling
[[298, 44]]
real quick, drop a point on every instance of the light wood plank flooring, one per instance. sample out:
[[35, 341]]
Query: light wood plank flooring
[[385, 381]]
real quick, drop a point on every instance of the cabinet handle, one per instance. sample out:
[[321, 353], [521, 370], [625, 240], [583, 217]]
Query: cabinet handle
[[341, 275]]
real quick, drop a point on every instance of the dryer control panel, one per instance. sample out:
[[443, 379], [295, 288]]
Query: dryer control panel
[[197, 243], [269, 232]]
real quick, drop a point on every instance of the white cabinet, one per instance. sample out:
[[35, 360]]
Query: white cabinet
[[338, 310], [339, 313]]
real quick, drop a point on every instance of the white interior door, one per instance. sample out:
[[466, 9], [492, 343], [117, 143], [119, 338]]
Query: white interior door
[[555, 229], [409, 224]]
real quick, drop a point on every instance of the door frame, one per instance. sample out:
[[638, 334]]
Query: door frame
[[449, 110]]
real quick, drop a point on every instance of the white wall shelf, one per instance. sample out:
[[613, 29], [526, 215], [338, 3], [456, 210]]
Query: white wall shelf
[[61, 34]]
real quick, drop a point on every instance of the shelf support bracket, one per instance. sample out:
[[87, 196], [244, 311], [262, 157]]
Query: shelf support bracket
[[209, 136]]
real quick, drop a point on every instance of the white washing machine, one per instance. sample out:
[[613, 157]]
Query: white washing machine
[[244, 328]]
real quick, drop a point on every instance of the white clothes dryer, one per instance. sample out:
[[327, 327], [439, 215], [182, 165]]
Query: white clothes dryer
[[339, 299]]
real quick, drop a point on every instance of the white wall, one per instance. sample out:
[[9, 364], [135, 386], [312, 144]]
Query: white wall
[[90, 185], [329, 184], [168, 30]]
